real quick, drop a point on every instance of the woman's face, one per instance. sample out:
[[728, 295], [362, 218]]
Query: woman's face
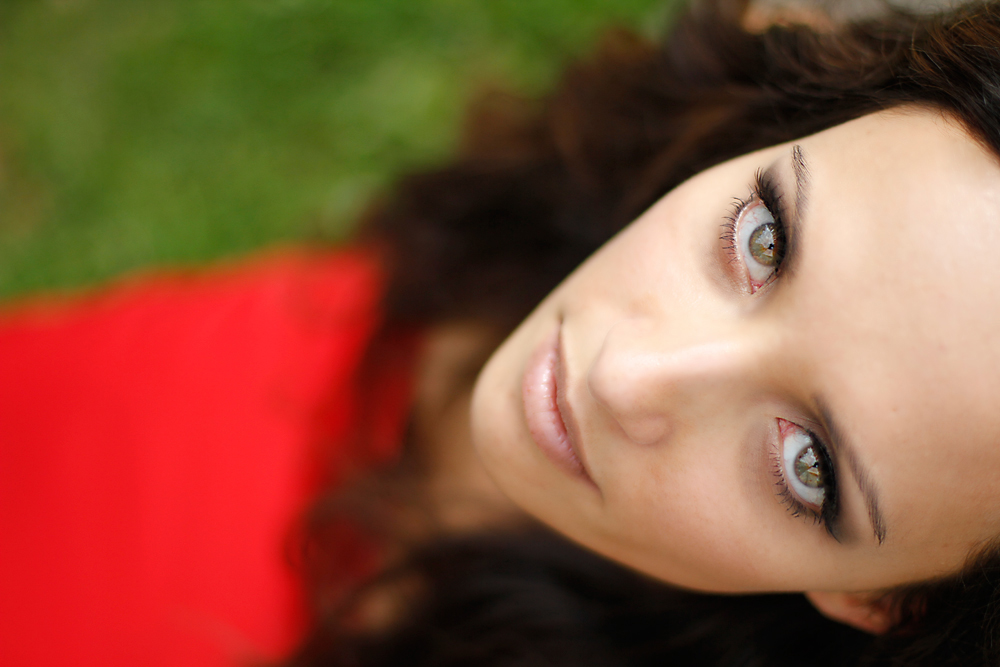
[[788, 386]]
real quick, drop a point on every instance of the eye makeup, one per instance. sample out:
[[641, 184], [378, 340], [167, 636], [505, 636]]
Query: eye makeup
[[755, 233], [756, 240], [805, 476]]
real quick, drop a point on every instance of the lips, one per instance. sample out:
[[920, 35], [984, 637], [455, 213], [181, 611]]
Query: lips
[[542, 382]]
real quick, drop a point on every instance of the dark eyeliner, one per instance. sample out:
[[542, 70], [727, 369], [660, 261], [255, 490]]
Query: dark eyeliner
[[764, 189], [829, 513], [768, 190]]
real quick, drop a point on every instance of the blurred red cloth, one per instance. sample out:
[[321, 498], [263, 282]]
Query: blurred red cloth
[[157, 441]]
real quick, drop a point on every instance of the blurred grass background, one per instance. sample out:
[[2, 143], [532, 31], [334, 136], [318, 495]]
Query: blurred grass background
[[175, 132]]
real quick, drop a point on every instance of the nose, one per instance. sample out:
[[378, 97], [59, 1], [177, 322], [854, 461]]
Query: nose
[[651, 387]]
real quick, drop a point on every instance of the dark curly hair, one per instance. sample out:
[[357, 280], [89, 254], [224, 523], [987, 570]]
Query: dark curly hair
[[540, 185]]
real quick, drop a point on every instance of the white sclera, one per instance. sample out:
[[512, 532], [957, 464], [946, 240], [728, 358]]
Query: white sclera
[[793, 446], [754, 217]]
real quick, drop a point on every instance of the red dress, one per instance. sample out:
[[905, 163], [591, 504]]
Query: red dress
[[156, 443]]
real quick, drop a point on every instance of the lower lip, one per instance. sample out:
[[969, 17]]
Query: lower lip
[[540, 392]]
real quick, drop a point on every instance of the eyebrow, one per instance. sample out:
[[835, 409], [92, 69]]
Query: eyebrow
[[839, 441], [843, 448], [801, 171]]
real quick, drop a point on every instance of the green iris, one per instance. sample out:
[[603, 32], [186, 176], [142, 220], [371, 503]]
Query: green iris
[[766, 245], [808, 468]]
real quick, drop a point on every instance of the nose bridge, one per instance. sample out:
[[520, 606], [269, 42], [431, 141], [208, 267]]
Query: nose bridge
[[651, 382]]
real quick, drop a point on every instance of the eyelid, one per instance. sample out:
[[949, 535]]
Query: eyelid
[[828, 514], [767, 187]]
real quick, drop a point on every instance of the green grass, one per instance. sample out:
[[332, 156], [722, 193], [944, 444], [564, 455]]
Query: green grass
[[152, 132]]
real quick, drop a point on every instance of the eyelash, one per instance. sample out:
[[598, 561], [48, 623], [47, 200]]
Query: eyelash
[[828, 511], [764, 190]]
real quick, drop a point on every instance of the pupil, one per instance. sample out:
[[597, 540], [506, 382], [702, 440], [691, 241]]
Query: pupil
[[807, 468], [765, 246]]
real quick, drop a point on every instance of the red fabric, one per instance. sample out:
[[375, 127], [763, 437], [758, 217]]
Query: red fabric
[[157, 441]]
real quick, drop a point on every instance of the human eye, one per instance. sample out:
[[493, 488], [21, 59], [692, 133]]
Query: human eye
[[755, 233], [805, 475]]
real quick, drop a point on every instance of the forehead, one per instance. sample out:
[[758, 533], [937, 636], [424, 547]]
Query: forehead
[[898, 304]]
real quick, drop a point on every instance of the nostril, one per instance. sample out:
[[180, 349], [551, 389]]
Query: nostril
[[640, 423], [650, 387], [646, 430], [617, 386]]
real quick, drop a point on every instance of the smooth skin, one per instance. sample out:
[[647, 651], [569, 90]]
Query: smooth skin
[[679, 375]]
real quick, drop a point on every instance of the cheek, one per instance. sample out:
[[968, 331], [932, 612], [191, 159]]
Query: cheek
[[696, 521]]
